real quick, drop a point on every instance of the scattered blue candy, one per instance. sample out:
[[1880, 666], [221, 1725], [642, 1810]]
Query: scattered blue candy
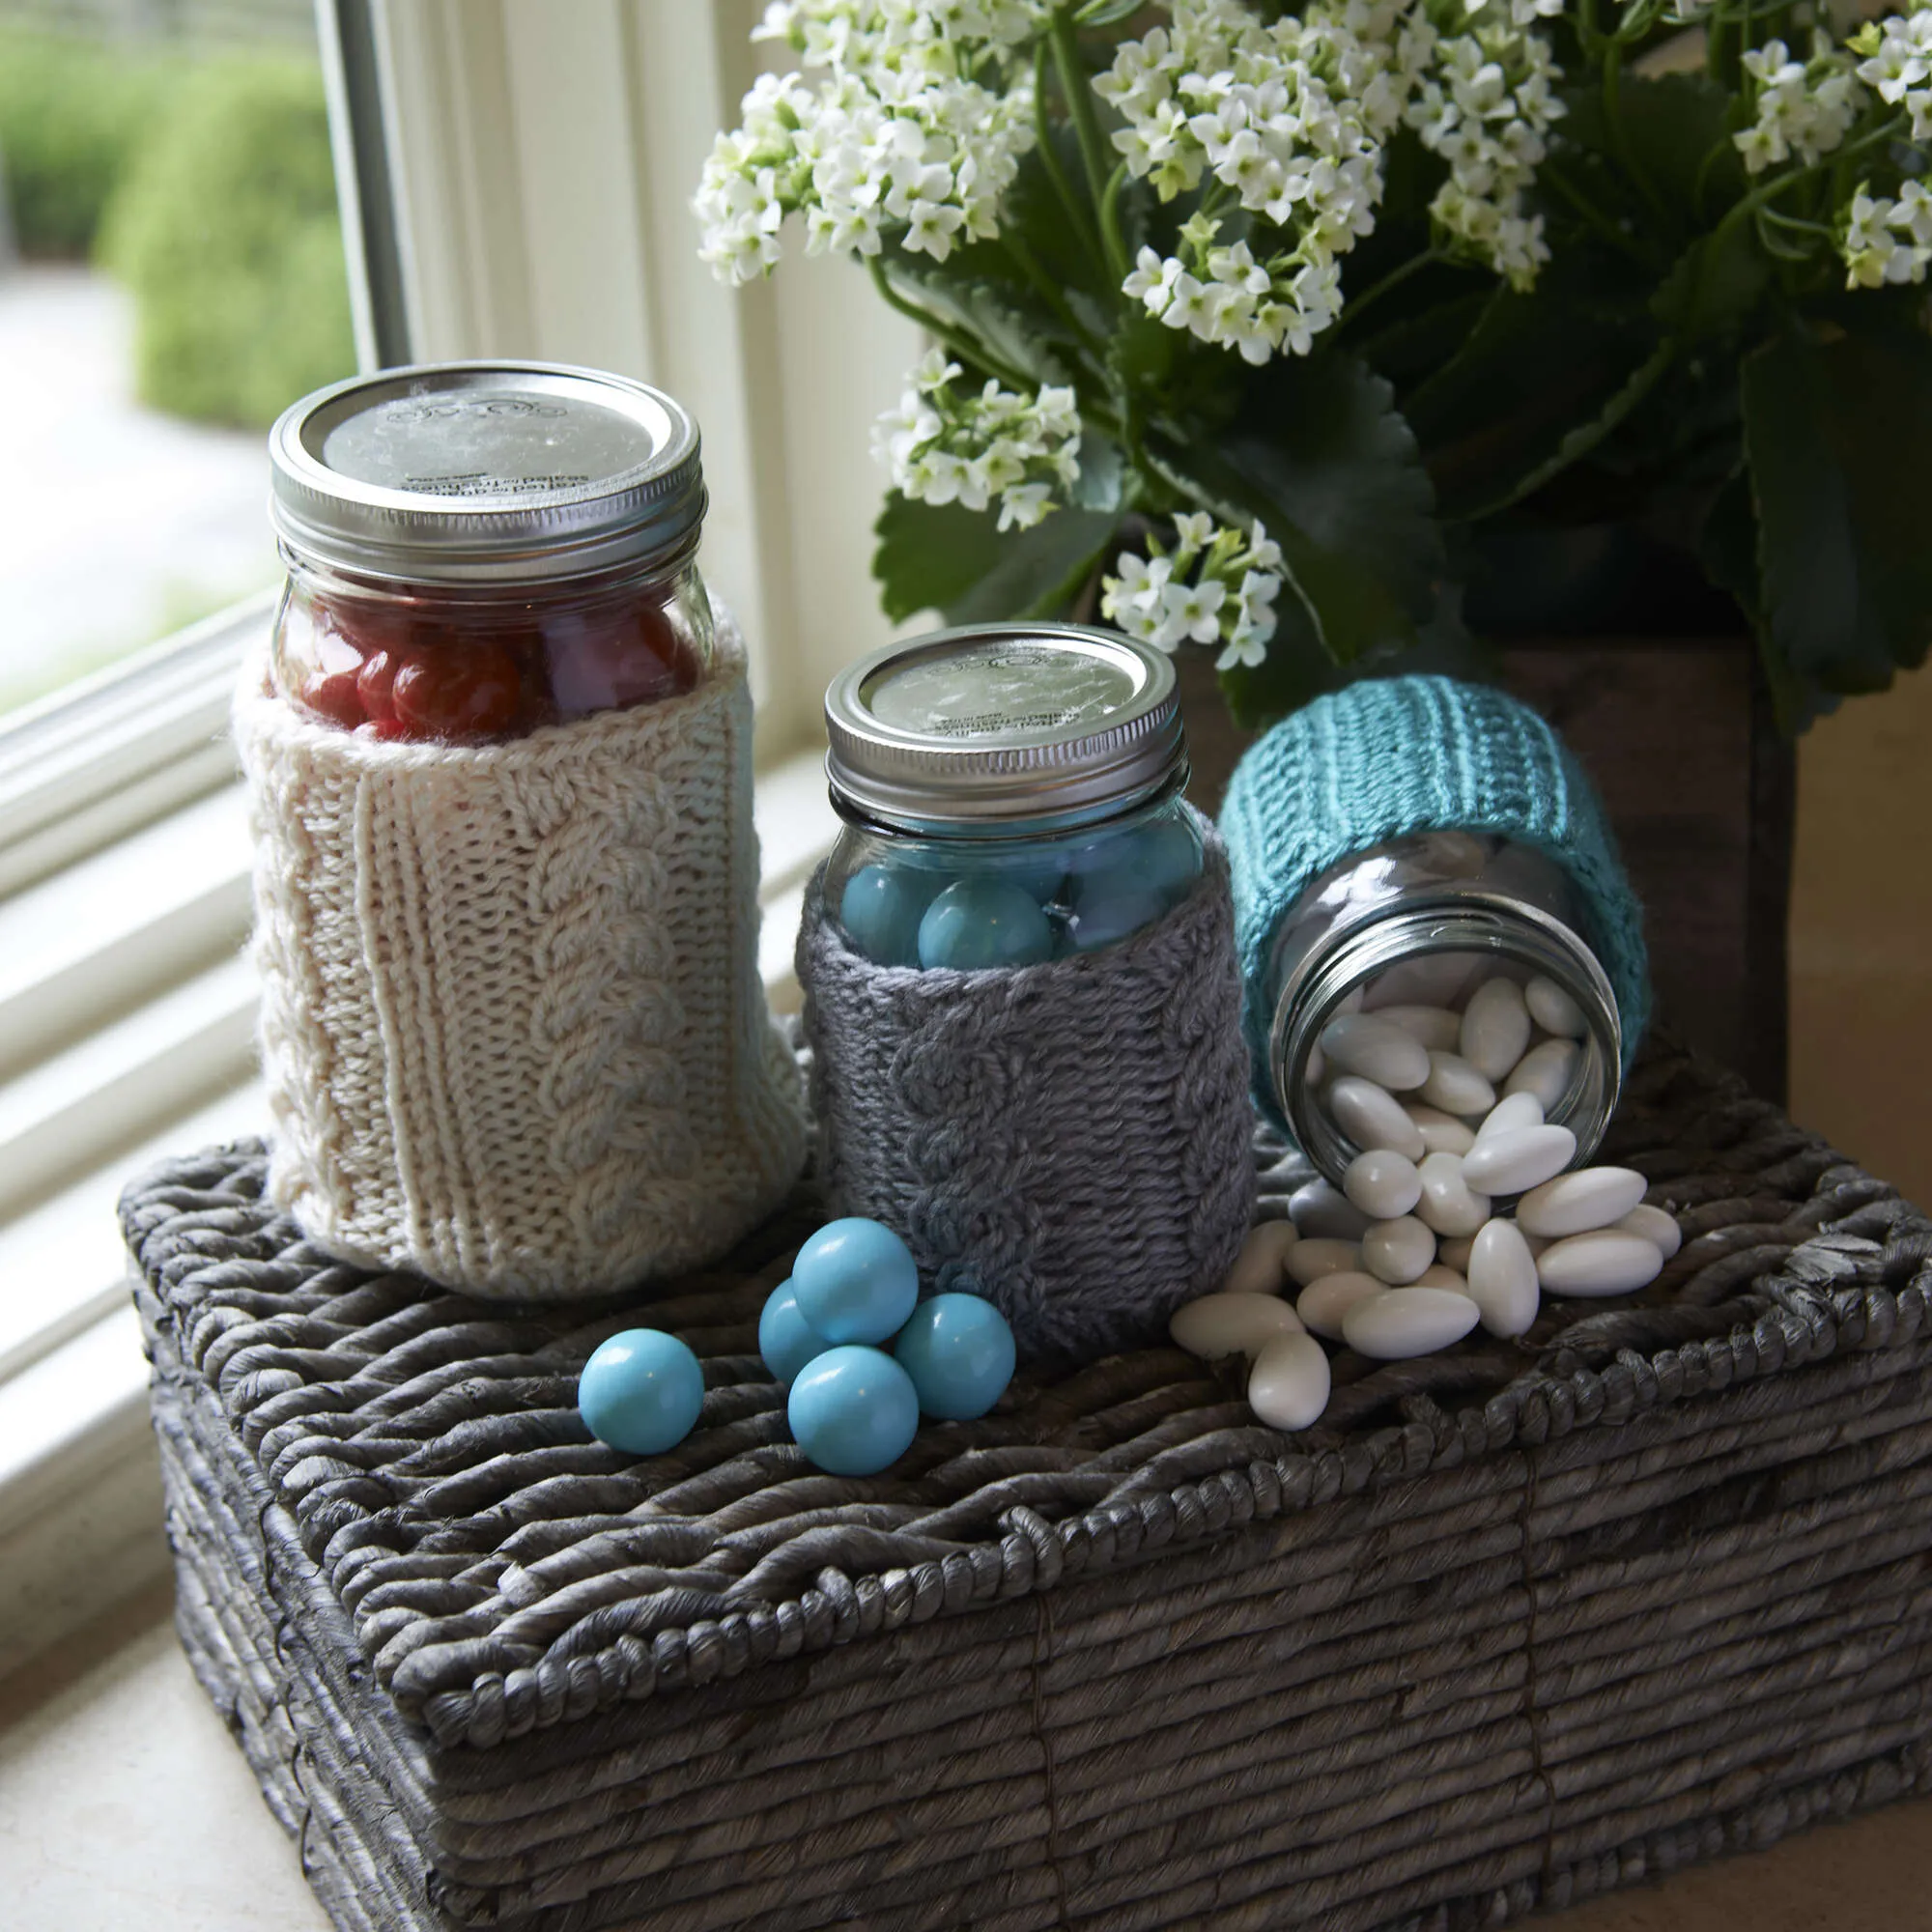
[[855, 1281], [880, 910], [640, 1392], [959, 1353], [980, 922], [786, 1339], [854, 1411]]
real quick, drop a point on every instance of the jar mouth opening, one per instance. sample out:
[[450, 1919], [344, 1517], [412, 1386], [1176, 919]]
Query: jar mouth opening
[[1468, 924], [868, 816]]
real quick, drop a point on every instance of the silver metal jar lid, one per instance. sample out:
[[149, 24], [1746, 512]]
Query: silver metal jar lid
[[482, 472], [981, 726]]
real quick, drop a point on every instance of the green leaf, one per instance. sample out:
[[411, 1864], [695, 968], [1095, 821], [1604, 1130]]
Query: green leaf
[[1105, 13], [1673, 124], [963, 563], [1715, 286], [1017, 334], [1320, 454], [1835, 434], [1534, 368], [1296, 668]]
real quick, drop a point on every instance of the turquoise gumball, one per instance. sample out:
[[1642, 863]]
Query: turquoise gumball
[[640, 1392], [880, 910], [854, 1411], [1108, 906], [786, 1339], [980, 922], [855, 1281], [959, 1353]]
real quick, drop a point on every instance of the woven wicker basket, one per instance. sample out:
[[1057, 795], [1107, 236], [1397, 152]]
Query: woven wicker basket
[[1515, 1624]]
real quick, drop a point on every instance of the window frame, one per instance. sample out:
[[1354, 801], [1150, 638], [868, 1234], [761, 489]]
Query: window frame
[[463, 130]]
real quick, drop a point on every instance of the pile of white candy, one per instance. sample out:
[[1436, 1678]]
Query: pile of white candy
[[1410, 1255]]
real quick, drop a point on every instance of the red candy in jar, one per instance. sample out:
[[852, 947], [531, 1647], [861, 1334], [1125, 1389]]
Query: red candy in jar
[[478, 550]]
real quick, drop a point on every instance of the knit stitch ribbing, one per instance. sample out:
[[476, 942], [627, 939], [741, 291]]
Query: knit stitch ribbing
[[1393, 756], [512, 1023], [1070, 1140]]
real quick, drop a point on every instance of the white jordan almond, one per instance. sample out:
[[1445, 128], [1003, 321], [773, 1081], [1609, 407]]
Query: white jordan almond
[[1288, 1387], [1510, 1116], [1441, 1133], [1503, 1279], [1435, 1275], [1454, 1254], [1324, 1303], [1507, 1163], [1310, 1260], [1259, 1269], [1320, 1209], [1368, 1044], [1231, 1325], [1415, 1322], [1545, 1072], [1398, 1250], [1553, 1010], [1315, 1069], [1456, 1087], [1495, 1030], [1383, 1183], [1573, 1203], [1606, 1261], [1449, 1204], [1657, 1227], [1434, 1027], [1431, 980], [1372, 1117]]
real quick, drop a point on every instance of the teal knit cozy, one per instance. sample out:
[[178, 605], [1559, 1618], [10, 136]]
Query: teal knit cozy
[[1394, 756]]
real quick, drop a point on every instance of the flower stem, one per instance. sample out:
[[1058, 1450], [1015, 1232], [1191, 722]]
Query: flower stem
[[1049, 158], [1112, 239], [1079, 94], [1591, 213], [1359, 305], [1578, 443], [1024, 260], [963, 345]]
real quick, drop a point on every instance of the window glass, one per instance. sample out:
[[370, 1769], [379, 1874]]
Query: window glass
[[171, 276]]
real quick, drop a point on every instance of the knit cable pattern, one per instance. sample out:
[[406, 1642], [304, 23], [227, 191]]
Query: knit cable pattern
[[1069, 1140], [512, 1023], [1388, 756]]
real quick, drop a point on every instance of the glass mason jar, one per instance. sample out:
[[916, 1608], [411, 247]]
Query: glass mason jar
[[1419, 923], [1012, 794], [476, 550]]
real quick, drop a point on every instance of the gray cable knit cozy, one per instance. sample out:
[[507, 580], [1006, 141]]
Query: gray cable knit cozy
[[1070, 1140]]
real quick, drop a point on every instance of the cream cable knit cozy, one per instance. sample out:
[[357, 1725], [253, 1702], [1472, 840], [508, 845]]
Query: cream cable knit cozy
[[512, 1022]]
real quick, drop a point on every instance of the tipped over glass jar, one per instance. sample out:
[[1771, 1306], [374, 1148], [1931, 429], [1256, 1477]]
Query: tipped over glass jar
[[1417, 985], [1012, 794], [478, 550]]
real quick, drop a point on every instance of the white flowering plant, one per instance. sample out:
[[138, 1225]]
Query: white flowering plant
[[1255, 326]]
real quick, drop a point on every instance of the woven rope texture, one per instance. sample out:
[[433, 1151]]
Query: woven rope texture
[[1386, 756], [1069, 1140], [1513, 1625], [512, 1023]]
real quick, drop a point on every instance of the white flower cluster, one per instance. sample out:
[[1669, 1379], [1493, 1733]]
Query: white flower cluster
[[1285, 119], [1216, 585], [1487, 108], [1900, 69], [1804, 107], [948, 448], [1887, 240], [914, 137]]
